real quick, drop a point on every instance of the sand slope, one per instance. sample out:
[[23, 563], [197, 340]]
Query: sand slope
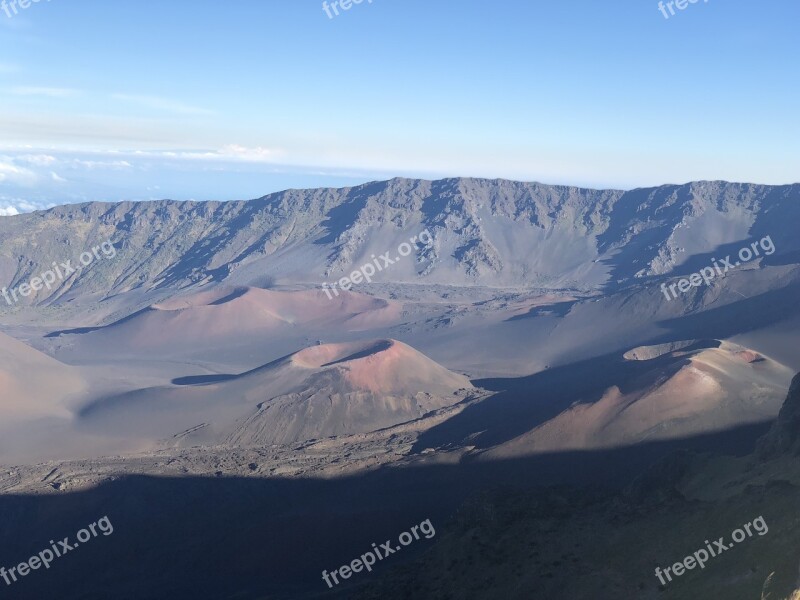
[[698, 391], [33, 385], [322, 391], [235, 315]]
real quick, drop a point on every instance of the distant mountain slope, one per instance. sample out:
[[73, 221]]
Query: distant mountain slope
[[486, 232]]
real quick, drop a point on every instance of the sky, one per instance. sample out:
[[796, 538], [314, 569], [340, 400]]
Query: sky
[[201, 99]]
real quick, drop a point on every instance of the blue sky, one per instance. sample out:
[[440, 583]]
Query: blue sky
[[205, 99]]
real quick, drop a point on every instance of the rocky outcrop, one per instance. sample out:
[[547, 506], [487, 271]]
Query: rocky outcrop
[[784, 436]]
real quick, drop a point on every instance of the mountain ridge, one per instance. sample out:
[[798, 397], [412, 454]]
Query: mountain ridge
[[485, 232]]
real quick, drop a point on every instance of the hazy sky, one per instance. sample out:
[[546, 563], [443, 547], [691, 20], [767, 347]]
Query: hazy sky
[[105, 100]]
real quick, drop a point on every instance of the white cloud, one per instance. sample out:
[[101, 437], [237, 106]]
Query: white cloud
[[38, 160], [101, 164], [11, 173], [15, 206], [257, 154], [228, 153], [162, 104], [50, 92]]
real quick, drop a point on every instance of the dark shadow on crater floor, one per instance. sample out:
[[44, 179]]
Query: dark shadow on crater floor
[[248, 538]]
